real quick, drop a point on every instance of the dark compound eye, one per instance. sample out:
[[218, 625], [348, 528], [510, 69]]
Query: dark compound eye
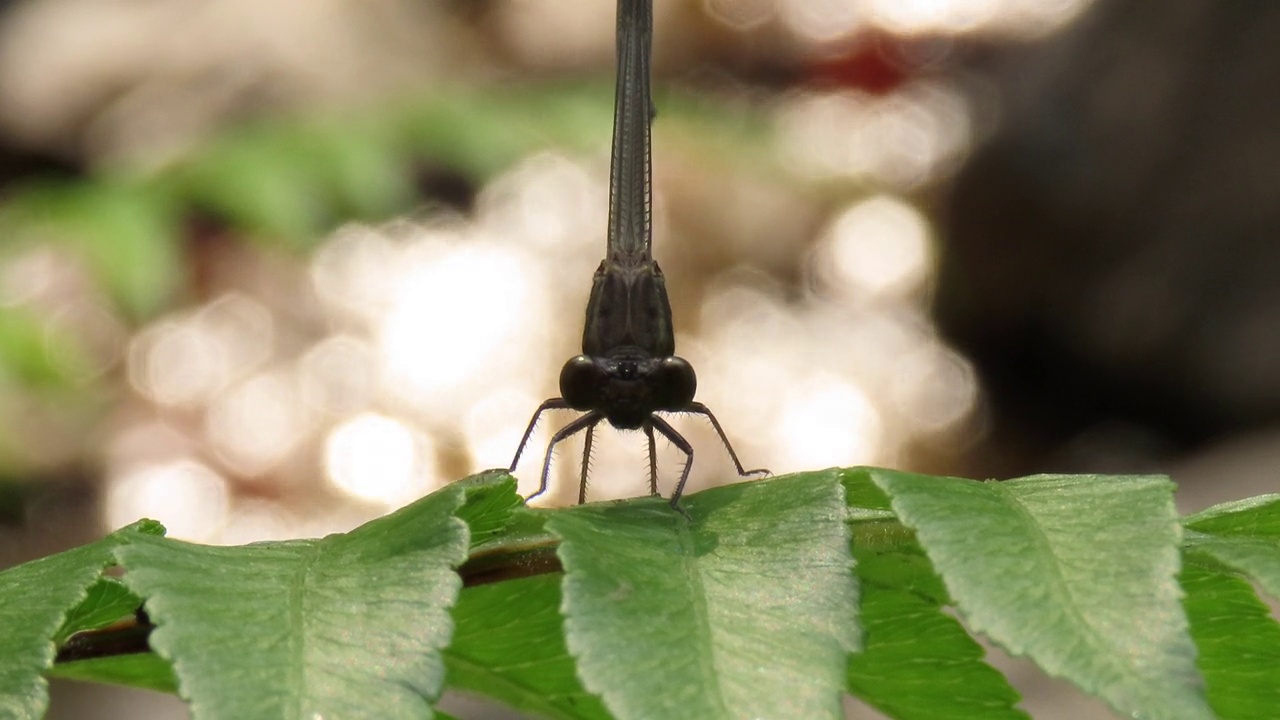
[[673, 384], [580, 381]]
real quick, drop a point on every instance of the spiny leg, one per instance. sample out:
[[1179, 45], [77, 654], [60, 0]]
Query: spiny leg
[[683, 445], [586, 463], [552, 404], [700, 409], [653, 460], [586, 421]]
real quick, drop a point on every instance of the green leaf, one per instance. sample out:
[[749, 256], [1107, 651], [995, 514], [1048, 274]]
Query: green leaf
[[1058, 569], [140, 670], [744, 610], [491, 503], [508, 644], [483, 134], [348, 626], [1239, 642], [106, 601], [293, 181], [34, 600], [866, 500], [126, 233], [919, 662], [1245, 535], [23, 353], [257, 181], [358, 163]]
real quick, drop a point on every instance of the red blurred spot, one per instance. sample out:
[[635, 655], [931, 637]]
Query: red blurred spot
[[875, 65]]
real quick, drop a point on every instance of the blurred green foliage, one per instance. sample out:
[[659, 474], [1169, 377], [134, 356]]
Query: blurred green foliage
[[282, 183]]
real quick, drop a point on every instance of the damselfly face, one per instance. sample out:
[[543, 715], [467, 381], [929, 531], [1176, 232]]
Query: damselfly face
[[627, 389]]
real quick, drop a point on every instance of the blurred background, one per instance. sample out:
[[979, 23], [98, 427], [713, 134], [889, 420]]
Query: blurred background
[[270, 270]]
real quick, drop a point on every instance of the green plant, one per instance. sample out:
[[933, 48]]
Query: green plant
[[771, 600]]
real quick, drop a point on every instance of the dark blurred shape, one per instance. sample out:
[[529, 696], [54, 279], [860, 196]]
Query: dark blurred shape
[[18, 164], [1111, 256], [13, 497], [446, 186]]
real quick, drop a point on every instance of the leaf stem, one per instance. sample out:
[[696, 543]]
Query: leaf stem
[[493, 563]]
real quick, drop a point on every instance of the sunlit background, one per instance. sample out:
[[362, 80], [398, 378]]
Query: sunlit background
[[270, 270], [296, 394]]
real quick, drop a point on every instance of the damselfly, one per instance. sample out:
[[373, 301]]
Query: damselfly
[[628, 370]]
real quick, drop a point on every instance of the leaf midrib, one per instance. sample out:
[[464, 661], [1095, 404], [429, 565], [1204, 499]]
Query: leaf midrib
[[700, 613], [1092, 635], [298, 622]]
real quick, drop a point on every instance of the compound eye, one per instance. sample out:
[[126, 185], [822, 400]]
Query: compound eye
[[674, 384], [580, 382]]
